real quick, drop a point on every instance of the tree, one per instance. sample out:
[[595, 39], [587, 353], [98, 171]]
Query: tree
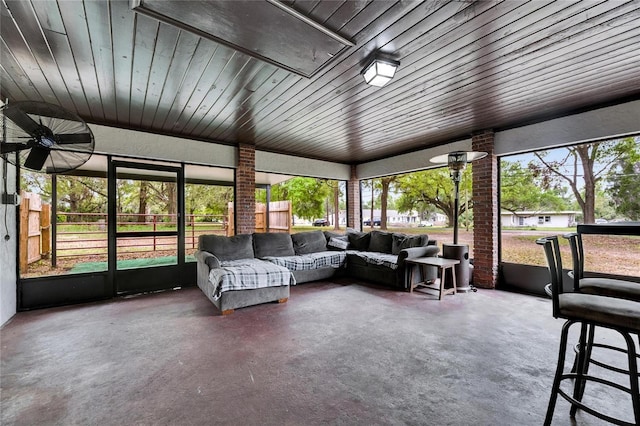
[[370, 184], [625, 184], [77, 194], [207, 199], [307, 196], [385, 184], [334, 186], [582, 167], [38, 183], [425, 190], [521, 190], [143, 198]]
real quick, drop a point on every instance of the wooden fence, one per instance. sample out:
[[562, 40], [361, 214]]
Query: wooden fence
[[279, 217], [35, 229]]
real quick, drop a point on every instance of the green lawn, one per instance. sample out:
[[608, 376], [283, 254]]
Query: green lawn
[[128, 264]]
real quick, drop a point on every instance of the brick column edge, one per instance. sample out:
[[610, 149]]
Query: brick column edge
[[485, 211], [353, 200], [245, 194]]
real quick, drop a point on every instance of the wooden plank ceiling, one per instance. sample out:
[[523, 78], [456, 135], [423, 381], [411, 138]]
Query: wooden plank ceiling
[[465, 66]]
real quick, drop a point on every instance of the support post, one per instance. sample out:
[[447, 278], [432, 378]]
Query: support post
[[353, 200], [485, 211], [245, 194]]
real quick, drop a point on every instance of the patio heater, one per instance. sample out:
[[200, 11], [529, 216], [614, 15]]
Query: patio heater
[[457, 161]]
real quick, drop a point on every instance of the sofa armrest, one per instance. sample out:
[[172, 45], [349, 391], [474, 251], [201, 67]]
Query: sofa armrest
[[413, 252], [203, 260], [430, 272], [207, 258]]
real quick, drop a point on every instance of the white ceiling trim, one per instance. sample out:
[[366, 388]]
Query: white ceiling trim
[[604, 123], [410, 162], [298, 166], [111, 140]]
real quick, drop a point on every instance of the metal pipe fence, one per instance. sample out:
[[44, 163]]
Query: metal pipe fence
[[85, 234]]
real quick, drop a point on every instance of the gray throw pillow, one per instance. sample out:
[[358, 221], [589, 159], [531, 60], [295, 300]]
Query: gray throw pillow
[[309, 242], [227, 248], [381, 242], [338, 243], [272, 244]]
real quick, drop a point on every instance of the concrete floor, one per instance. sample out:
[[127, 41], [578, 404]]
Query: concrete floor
[[337, 353]]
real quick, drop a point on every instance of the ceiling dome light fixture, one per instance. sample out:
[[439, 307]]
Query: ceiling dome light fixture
[[379, 71]]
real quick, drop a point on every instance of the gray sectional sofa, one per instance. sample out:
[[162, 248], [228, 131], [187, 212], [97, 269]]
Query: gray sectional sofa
[[249, 269]]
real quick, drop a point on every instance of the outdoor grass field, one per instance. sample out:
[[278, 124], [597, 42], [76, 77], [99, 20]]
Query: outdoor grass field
[[517, 245]]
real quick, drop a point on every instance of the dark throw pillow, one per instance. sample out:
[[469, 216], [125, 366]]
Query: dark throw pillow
[[401, 241], [272, 244], [309, 242], [359, 240], [381, 242]]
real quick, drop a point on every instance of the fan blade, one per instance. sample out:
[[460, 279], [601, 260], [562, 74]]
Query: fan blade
[[36, 158], [71, 138], [22, 120], [7, 147]]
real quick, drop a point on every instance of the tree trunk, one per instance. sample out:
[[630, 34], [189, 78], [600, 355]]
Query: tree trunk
[[450, 216], [336, 203], [385, 182], [143, 197], [372, 199], [326, 208], [589, 204], [172, 207], [73, 208]]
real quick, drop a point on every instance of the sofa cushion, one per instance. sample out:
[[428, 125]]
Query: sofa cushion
[[272, 244], [386, 260], [306, 262], [401, 241], [227, 248], [381, 242], [359, 240], [309, 242]]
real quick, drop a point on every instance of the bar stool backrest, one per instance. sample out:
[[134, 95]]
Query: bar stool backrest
[[554, 262], [577, 254]]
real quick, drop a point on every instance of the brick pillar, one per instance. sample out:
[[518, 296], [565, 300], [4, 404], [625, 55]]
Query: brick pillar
[[353, 200], [485, 212], [245, 197]]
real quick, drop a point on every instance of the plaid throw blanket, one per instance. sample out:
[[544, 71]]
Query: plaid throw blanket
[[384, 259], [323, 259], [247, 274]]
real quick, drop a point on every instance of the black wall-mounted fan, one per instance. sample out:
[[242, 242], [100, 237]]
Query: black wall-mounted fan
[[47, 137]]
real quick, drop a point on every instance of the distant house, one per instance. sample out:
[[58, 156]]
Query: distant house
[[540, 219], [397, 218], [393, 217]]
